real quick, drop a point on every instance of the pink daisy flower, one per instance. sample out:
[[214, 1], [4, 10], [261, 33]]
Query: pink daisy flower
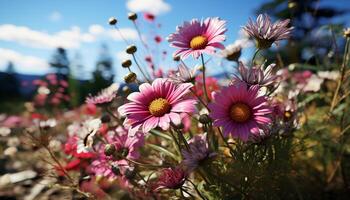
[[105, 96], [115, 163], [157, 105], [171, 178], [197, 37], [240, 111]]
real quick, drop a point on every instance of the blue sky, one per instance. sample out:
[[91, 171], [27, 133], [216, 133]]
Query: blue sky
[[29, 30]]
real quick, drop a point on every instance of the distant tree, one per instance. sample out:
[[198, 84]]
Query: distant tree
[[103, 75], [9, 83], [10, 69], [315, 30], [60, 62]]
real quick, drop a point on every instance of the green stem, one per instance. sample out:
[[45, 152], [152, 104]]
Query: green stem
[[176, 142], [342, 71], [227, 145], [140, 69], [255, 54], [204, 85], [198, 192], [200, 99]]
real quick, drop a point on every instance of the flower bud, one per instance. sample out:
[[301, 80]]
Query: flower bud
[[132, 16], [130, 173], [176, 58], [126, 63], [347, 33], [126, 89], [109, 149], [105, 118], [131, 49], [204, 119], [130, 78], [115, 169], [112, 21]]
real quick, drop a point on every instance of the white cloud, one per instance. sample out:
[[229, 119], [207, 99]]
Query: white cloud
[[128, 33], [122, 55], [55, 16], [155, 7], [71, 38], [23, 63]]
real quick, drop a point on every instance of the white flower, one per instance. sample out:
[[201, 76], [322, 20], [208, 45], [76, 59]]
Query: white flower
[[313, 84], [50, 123], [4, 131], [331, 75], [86, 135]]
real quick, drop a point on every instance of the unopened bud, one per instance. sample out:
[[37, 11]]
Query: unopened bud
[[130, 78], [126, 63], [105, 118], [130, 173], [112, 21], [115, 169], [131, 49], [204, 119], [176, 58], [132, 16], [126, 89], [109, 149], [347, 33]]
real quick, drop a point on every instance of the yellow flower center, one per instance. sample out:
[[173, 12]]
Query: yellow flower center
[[240, 112], [198, 42], [159, 107]]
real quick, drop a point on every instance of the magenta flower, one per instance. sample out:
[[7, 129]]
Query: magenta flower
[[256, 75], [171, 178], [197, 37], [158, 104], [198, 152], [266, 33], [126, 146], [115, 163], [240, 111], [105, 96]]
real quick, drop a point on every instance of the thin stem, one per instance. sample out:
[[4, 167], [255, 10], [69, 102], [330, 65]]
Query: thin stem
[[204, 85], [139, 67], [227, 145], [198, 192], [199, 98], [342, 71], [121, 35], [140, 36], [180, 135], [176, 142], [255, 54]]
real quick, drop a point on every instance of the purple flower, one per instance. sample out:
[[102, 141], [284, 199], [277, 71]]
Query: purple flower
[[266, 33], [197, 37], [198, 151], [240, 111]]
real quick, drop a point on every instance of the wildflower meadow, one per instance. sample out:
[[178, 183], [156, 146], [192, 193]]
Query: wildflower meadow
[[265, 116]]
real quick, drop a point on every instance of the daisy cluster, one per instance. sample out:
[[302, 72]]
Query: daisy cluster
[[181, 132]]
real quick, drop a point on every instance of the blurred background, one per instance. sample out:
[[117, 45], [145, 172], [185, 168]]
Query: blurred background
[[70, 44]]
